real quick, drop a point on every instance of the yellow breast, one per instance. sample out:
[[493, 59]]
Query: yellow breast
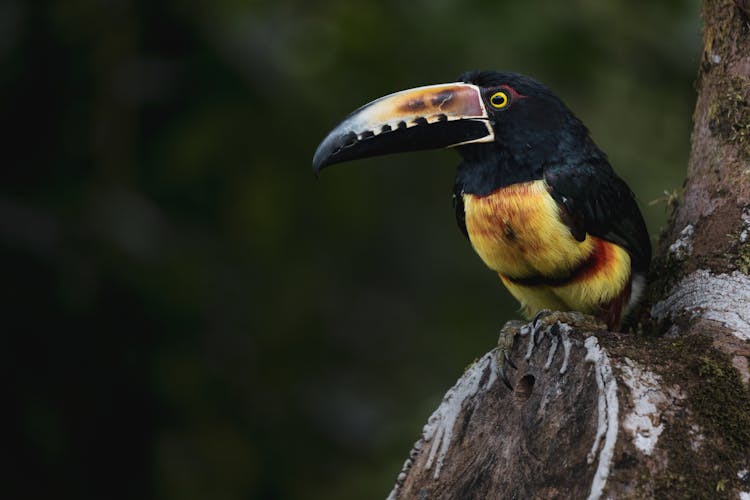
[[517, 231]]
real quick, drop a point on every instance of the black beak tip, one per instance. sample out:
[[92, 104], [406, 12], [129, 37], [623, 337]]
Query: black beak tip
[[329, 150], [324, 154], [319, 161]]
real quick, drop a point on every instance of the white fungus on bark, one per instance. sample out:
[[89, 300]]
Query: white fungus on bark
[[551, 353], [697, 438], [565, 339], [439, 428], [643, 422], [742, 476], [746, 226], [530, 331], [724, 298], [607, 417], [683, 247]]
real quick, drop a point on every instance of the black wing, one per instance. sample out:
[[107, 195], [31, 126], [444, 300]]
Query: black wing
[[458, 206], [596, 201]]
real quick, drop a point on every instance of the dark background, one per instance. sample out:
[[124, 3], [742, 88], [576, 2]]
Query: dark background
[[188, 313]]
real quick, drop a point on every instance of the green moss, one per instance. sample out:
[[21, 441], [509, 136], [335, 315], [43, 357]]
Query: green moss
[[742, 259], [702, 261], [719, 21], [740, 252], [719, 405], [729, 113], [664, 274], [723, 402]]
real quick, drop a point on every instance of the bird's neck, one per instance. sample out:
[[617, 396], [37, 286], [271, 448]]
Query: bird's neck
[[486, 170], [489, 167]]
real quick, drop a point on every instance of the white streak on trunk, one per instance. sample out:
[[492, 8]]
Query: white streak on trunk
[[646, 396], [724, 298], [607, 421], [683, 247], [439, 428], [564, 329], [532, 344], [551, 354]]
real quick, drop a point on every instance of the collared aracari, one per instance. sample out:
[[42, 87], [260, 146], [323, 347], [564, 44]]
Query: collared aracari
[[537, 199]]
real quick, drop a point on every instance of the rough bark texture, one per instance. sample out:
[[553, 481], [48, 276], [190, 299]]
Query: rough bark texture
[[708, 240], [663, 412]]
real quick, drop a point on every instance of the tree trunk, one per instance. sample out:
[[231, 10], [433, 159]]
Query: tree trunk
[[661, 413]]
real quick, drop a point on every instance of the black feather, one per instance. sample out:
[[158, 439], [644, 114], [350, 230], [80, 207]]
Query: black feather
[[605, 207]]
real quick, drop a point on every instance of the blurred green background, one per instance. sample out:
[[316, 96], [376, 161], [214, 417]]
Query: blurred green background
[[189, 313]]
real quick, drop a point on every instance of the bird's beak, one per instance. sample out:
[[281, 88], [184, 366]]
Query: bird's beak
[[436, 116]]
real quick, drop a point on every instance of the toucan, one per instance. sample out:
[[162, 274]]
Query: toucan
[[535, 196]]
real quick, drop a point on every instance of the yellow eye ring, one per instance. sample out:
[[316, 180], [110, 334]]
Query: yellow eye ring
[[499, 100]]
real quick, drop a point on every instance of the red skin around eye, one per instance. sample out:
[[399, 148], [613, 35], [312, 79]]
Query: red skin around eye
[[512, 92]]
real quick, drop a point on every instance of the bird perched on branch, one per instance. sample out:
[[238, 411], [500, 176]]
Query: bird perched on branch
[[537, 199]]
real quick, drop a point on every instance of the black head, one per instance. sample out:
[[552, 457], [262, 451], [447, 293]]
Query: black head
[[530, 122]]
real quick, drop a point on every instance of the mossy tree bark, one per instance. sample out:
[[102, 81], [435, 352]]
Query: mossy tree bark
[[663, 412]]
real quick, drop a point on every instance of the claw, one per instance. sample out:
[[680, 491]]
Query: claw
[[555, 329], [504, 346], [503, 361], [538, 323], [539, 315], [504, 378]]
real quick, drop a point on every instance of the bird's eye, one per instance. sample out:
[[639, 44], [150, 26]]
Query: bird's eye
[[499, 100]]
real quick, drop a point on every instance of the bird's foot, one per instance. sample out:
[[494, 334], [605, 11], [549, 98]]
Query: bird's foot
[[555, 323], [548, 321], [504, 345], [558, 324]]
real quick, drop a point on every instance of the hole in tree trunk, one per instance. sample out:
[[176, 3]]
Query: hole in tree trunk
[[524, 388]]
